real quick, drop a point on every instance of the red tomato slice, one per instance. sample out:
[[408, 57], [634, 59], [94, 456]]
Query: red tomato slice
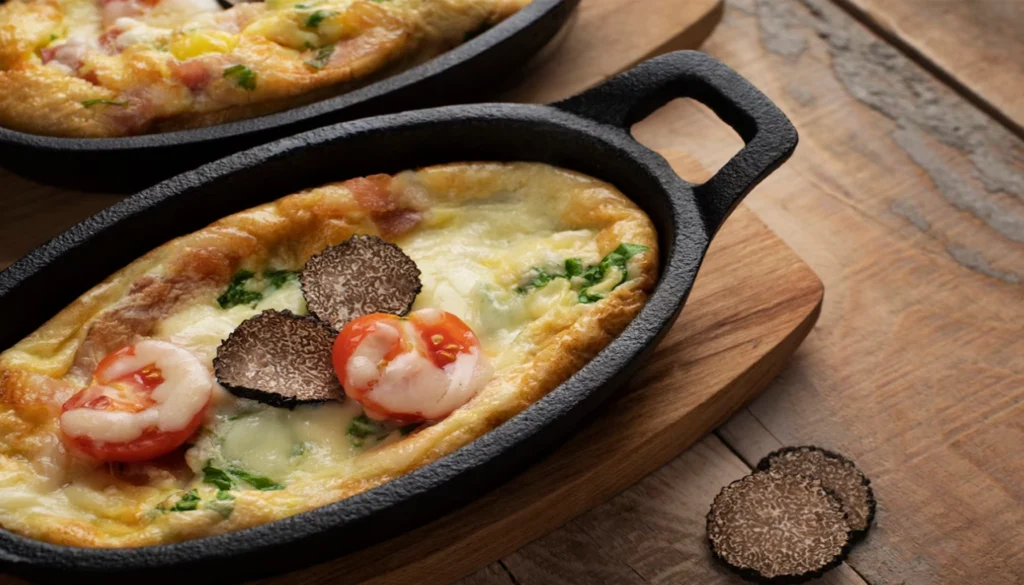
[[129, 392], [444, 337], [438, 336]]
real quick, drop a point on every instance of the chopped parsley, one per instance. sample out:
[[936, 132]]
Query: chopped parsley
[[237, 294], [240, 290], [105, 102], [226, 479], [278, 278], [323, 55], [187, 502], [318, 16], [362, 426], [585, 277], [243, 76]]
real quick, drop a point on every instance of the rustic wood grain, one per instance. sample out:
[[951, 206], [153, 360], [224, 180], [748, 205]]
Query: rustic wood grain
[[976, 45], [610, 36], [909, 203], [729, 343], [651, 534]]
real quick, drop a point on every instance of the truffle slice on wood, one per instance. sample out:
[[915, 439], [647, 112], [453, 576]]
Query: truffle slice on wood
[[359, 276], [837, 474], [280, 359], [777, 528]]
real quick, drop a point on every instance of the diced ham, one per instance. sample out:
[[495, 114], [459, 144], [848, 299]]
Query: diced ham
[[373, 193], [395, 223], [115, 9], [69, 54], [195, 75]]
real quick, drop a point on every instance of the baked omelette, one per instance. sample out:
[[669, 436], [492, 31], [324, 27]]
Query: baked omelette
[[110, 68], [299, 352]]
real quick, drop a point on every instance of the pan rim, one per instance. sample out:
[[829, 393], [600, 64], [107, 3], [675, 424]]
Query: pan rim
[[482, 44], [675, 280]]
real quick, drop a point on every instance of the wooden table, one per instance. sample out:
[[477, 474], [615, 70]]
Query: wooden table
[[906, 196]]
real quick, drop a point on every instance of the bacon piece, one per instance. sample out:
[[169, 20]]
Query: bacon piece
[[195, 75], [374, 194], [395, 223], [68, 54]]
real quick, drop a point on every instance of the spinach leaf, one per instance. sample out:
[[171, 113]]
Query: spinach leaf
[[314, 19], [323, 55], [243, 76], [188, 501], [259, 482], [237, 294], [278, 278], [586, 277], [217, 477], [362, 426], [226, 479]]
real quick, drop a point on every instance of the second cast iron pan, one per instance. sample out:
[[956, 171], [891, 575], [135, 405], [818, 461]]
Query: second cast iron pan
[[126, 165]]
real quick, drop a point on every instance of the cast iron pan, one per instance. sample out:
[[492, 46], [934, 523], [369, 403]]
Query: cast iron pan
[[588, 133], [126, 165]]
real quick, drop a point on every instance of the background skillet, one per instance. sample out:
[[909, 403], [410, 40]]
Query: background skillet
[[588, 133], [124, 165]]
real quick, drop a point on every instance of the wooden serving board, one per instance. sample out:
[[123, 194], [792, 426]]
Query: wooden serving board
[[753, 303]]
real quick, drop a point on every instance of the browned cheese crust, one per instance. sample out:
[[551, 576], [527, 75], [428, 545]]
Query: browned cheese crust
[[113, 506]]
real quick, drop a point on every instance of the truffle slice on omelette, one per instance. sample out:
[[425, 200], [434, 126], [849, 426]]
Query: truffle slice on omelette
[[107, 68], [117, 429]]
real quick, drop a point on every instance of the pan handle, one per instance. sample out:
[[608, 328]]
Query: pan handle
[[769, 137]]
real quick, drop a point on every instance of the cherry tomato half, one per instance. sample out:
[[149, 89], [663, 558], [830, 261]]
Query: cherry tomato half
[[127, 382]]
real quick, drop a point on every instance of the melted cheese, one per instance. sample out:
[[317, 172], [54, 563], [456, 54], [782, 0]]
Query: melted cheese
[[485, 229]]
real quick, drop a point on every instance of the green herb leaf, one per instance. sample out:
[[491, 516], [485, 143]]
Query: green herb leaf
[[259, 482], [362, 426], [237, 294], [590, 275], [217, 477], [278, 278], [223, 504], [573, 267], [188, 501], [323, 55], [91, 103], [314, 19], [243, 76], [226, 479]]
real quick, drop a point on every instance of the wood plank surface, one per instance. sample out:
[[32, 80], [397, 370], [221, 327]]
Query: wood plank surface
[[909, 203], [729, 343], [651, 533], [977, 45], [610, 36]]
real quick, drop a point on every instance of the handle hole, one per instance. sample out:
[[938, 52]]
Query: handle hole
[[690, 136]]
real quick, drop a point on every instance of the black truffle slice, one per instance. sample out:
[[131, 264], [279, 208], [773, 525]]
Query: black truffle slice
[[777, 528], [837, 474], [362, 275], [279, 358]]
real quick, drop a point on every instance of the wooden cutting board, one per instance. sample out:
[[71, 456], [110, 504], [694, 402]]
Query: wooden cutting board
[[754, 301]]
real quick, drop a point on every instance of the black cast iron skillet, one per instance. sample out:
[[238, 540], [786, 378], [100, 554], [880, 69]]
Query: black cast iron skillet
[[588, 133], [126, 165]]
